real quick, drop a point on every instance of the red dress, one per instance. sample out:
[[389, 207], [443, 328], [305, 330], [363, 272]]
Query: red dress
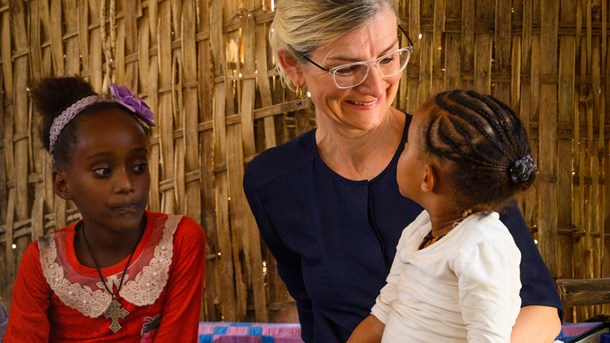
[[56, 299]]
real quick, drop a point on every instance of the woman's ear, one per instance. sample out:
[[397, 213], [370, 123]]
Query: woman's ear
[[60, 185], [291, 67]]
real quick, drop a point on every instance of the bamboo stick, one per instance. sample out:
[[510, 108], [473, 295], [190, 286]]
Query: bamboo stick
[[226, 271]]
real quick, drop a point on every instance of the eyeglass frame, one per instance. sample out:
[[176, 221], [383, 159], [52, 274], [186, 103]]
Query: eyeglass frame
[[333, 70]]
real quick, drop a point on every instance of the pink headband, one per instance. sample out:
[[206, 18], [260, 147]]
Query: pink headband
[[120, 95], [68, 114]]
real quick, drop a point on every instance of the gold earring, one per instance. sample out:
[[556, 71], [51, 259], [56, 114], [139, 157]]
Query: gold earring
[[298, 95]]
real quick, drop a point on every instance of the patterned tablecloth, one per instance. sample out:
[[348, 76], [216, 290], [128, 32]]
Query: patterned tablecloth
[[589, 332], [231, 332]]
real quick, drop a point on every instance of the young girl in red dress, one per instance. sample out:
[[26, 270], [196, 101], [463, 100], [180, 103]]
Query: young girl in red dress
[[121, 273]]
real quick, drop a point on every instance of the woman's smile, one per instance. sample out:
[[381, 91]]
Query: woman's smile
[[369, 103]]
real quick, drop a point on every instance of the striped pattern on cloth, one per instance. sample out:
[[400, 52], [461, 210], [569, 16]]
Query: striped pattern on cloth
[[234, 332]]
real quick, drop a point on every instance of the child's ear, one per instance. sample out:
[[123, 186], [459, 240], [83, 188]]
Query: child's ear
[[60, 185], [429, 179], [291, 67]]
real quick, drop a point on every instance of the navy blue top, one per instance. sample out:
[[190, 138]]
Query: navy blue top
[[334, 239]]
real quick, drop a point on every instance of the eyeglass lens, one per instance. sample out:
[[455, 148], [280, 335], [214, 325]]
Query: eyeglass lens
[[353, 74]]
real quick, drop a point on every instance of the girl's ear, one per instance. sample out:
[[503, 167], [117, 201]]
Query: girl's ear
[[60, 184], [291, 67], [429, 179]]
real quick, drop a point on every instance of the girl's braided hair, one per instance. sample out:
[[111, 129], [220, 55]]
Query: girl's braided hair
[[488, 144]]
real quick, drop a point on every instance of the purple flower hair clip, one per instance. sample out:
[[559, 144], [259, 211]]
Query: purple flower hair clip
[[132, 102]]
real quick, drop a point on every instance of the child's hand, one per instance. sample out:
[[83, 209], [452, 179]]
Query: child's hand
[[369, 330]]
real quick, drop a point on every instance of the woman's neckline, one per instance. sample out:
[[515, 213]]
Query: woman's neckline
[[398, 150]]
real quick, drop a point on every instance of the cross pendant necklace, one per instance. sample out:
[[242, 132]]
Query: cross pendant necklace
[[115, 311]]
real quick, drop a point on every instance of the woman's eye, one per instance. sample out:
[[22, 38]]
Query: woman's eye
[[344, 71], [387, 59], [140, 168], [349, 70], [102, 171]]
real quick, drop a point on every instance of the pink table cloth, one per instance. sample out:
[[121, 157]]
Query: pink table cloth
[[233, 332]]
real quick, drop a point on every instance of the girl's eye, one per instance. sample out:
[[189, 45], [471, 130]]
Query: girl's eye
[[140, 168], [102, 171]]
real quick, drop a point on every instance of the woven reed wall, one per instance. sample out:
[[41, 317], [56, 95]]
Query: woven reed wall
[[203, 67]]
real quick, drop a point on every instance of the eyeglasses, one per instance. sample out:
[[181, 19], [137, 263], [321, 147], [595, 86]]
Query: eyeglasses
[[352, 74]]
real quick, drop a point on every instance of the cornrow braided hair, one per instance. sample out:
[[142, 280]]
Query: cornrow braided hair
[[488, 144]]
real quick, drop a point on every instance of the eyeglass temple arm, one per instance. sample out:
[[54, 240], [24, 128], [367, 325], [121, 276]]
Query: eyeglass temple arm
[[314, 63], [406, 35]]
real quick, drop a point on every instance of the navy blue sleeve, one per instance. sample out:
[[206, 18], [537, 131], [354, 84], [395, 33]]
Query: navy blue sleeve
[[288, 262], [538, 287]]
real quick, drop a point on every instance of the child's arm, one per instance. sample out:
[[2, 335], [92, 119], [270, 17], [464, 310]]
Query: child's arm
[[536, 324], [489, 284], [369, 330], [182, 302], [27, 320]]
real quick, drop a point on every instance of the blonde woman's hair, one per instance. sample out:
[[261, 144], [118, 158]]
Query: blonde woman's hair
[[300, 26]]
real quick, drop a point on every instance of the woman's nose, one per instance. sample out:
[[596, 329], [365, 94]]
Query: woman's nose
[[373, 79]]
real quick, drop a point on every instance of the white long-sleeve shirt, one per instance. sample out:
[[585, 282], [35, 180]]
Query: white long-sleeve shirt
[[463, 288]]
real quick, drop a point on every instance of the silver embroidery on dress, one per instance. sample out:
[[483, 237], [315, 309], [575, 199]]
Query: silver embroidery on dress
[[81, 298], [143, 289], [149, 283]]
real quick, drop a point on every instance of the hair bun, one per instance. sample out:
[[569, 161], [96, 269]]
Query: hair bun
[[522, 169]]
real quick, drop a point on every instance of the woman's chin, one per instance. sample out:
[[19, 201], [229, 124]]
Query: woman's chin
[[360, 121]]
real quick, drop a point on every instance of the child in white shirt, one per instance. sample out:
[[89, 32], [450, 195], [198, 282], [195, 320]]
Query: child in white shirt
[[455, 277]]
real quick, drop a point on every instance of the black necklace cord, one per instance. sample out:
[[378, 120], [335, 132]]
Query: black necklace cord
[[126, 265]]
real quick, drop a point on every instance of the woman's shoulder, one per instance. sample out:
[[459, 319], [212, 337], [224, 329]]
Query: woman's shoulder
[[282, 159]]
